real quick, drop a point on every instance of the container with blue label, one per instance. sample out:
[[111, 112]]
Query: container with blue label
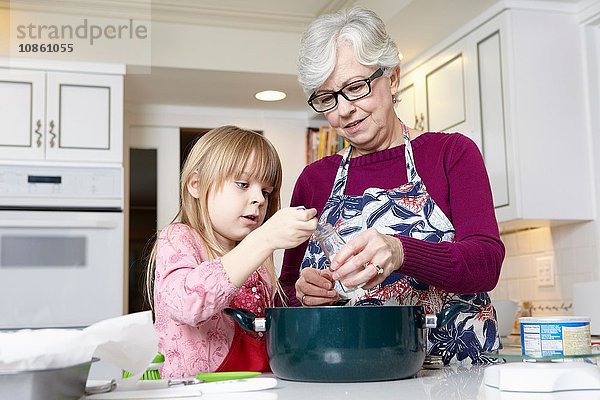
[[555, 336]]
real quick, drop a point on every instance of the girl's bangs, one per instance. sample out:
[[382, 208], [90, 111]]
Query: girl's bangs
[[265, 166]]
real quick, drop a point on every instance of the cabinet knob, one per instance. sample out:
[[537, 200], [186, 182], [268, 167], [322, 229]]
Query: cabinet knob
[[52, 134], [38, 126]]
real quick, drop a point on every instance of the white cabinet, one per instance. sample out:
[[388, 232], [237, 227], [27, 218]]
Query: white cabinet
[[436, 96], [55, 115], [514, 84]]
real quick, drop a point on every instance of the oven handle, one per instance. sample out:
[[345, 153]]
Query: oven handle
[[92, 224]]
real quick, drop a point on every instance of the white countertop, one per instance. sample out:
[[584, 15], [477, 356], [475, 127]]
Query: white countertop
[[449, 383]]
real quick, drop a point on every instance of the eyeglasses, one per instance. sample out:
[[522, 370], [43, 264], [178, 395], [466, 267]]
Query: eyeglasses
[[353, 91]]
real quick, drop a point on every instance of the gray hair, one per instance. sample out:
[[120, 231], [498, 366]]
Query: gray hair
[[361, 28]]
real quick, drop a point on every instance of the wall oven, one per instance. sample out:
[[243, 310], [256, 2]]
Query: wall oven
[[61, 245]]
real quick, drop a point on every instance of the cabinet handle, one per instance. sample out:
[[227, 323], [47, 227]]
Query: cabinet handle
[[52, 133], [420, 122], [38, 126]]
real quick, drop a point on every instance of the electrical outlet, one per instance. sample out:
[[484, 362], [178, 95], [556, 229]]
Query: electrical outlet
[[545, 271]]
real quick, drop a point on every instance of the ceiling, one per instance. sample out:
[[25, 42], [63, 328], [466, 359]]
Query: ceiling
[[416, 25]]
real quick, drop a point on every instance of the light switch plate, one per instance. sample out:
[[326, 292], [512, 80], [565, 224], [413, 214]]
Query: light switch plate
[[545, 271]]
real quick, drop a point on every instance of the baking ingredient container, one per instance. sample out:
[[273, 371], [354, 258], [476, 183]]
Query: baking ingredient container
[[555, 336], [345, 344]]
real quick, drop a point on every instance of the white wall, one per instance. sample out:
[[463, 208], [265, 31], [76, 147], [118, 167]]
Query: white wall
[[168, 45], [573, 249], [590, 20], [158, 127]]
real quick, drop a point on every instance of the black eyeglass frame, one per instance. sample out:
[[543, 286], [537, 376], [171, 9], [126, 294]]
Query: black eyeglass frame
[[335, 93]]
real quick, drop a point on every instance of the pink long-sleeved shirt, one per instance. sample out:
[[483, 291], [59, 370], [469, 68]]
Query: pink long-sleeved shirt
[[190, 294]]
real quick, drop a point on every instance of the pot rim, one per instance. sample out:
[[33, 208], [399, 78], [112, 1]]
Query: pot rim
[[344, 307]]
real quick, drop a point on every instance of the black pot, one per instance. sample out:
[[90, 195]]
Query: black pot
[[345, 344]]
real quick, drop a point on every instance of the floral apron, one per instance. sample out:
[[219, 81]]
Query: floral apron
[[409, 210]]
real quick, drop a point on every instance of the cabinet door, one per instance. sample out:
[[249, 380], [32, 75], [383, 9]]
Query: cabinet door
[[410, 108], [451, 92], [84, 117], [492, 116], [445, 90], [21, 114]]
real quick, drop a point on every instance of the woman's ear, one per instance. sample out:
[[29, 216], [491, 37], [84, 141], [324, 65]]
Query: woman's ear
[[395, 80], [193, 185]]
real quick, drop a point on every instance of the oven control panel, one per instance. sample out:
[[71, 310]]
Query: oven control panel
[[23, 186]]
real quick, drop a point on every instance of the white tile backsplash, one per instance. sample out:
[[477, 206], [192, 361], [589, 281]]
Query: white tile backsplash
[[575, 252]]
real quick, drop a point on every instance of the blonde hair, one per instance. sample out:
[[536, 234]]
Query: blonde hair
[[219, 155]]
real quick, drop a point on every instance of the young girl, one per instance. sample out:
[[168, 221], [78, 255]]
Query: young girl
[[220, 254]]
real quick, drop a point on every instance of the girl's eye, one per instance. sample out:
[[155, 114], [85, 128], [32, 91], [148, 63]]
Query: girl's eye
[[242, 185], [266, 194]]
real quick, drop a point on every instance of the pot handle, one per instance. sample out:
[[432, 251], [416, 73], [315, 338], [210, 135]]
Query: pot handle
[[443, 317], [247, 320]]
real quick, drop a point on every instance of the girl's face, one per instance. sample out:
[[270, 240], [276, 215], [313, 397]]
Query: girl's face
[[238, 207], [366, 123]]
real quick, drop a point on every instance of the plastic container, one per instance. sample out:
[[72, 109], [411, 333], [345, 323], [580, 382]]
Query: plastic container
[[505, 314], [555, 336], [331, 242]]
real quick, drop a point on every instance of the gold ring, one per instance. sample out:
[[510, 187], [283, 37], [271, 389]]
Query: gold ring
[[302, 299], [377, 267]]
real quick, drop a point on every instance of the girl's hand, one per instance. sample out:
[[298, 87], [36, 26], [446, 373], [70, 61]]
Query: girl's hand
[[315, 287], [367, 259], [289, 227]]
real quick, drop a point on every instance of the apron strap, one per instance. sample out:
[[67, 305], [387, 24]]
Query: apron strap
[[341, 176], [411, 169]]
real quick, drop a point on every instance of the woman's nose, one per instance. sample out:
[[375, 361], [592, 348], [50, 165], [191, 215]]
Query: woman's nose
[[345, 107]]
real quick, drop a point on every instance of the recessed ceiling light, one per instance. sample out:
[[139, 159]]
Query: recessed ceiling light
[[270, 95]]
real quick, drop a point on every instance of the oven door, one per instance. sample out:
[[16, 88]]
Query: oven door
[[60, 269]]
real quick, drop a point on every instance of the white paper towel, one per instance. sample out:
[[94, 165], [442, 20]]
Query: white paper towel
[[128, 342]]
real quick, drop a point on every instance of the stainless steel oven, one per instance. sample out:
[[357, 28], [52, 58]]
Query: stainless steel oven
[[61, 244]]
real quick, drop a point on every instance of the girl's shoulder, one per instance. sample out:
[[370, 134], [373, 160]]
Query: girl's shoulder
[[176, 229], [181, 235]]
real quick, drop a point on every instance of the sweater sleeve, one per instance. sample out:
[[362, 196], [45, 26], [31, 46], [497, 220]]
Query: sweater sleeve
[[470, 264], [188, 287]]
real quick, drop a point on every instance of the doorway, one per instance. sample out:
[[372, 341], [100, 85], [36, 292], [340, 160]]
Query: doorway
[[187, 138], [142, 222]]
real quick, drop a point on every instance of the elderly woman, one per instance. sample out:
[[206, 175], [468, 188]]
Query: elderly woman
[[415, 208]]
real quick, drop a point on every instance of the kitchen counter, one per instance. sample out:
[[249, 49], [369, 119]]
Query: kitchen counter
[[451, 382], [448, 383]]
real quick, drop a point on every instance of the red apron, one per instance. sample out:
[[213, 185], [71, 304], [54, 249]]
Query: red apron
[[246, 354]]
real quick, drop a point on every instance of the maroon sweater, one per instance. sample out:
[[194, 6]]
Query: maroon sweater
[[453, 171]]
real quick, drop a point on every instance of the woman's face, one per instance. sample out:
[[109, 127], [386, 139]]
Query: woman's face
[[367, 123]]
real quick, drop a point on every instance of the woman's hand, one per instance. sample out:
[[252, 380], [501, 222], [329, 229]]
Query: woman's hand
[[315, 287], [288, 227], [367, 259]]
